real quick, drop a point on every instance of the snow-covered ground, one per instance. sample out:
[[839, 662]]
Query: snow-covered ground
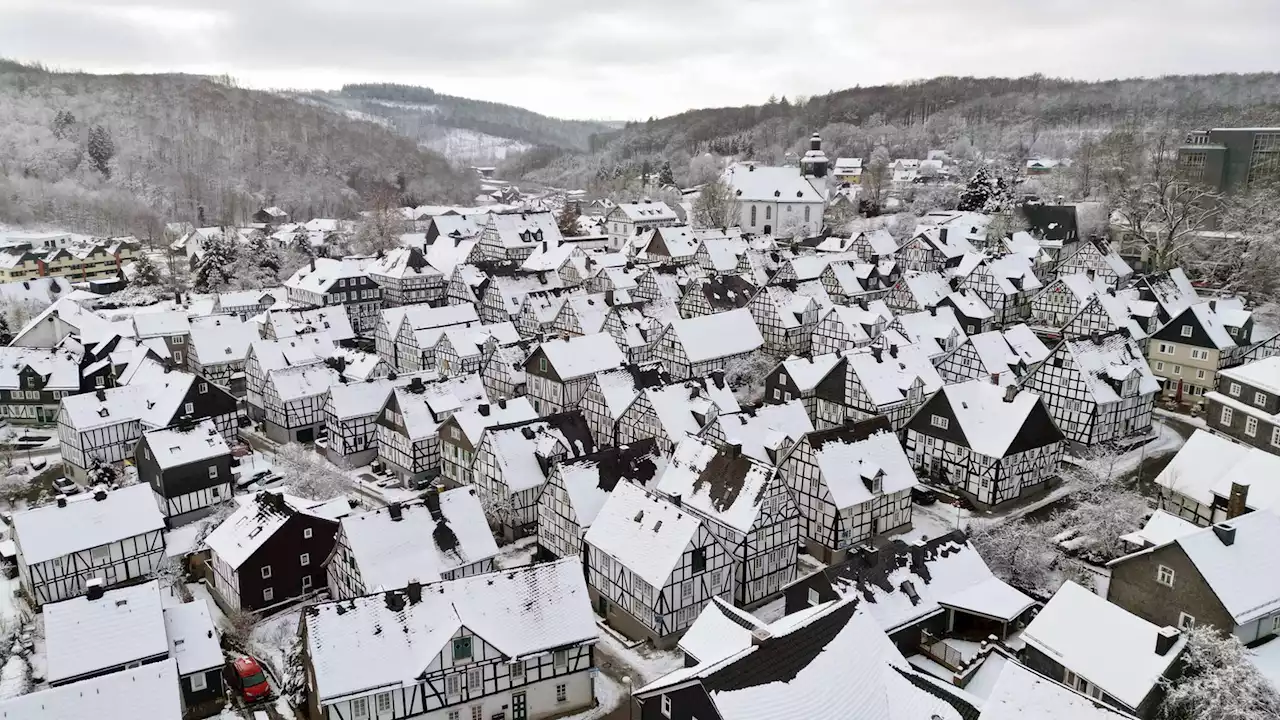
[[273, 638], [516, 554], [1167, 440], [1267, 659], [642, 663], [473, 146]]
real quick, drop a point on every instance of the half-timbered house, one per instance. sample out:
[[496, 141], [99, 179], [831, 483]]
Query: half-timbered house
[[293, 402], [407, 278], [876, 380], [1097, 259], [652, 566], [611, 392], [632, 330], [218, 349], [344, 283], [116, 536], [847, 282], [670, 413], [878, 244], [503, 373], [762, 433], [506, 291], [580, 266], [464, 350], [1006, 284], [332, 321], [517, 644], [582, 314], [1075, 305], [787, 314], [103, 631], [577, 488], [847, 326], [511, 463], [745, 504], [933, 250], [271, 550], [33, 381], [441, 536], [938, 329], [459, 435], [697, 346], [102, 427], [850, 483], [558, 372], [672, 244], [189, 468], [1098, 389], [514, 235], [172, 327], [992, 444], [351, 414], [394, 334], [918, 291], [245, 304], [267, 356], [720, 255], [719, 293], [1000, 356], [408, 439], [1171, 291]]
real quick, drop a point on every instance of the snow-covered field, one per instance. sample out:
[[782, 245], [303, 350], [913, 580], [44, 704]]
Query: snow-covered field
[[472, 146]]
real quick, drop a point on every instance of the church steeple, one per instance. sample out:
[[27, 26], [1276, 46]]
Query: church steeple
[[814, 164]]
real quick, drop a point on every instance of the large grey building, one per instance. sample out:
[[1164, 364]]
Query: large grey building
[[1229, 160]]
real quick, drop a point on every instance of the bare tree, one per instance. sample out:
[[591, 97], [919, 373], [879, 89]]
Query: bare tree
[[307, 475], [715, 206], [876, 175], [1244, 257]]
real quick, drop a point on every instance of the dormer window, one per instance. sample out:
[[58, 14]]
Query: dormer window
[[1186, 331], [1130, 387]]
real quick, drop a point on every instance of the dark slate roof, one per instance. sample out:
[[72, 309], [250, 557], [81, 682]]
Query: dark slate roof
[[634, 462], [1053, 222], [728, 292], [850, 432]]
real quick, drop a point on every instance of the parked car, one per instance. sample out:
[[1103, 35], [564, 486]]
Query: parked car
[[248, 680], [66, 486], [923, 495]]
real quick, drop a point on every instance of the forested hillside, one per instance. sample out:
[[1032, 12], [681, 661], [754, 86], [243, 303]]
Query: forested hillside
[[469, 130], [123, 153], [966, 116]]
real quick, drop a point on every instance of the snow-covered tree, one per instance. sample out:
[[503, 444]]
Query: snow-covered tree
[[1218, 682], [308, 475], [258, 265], [1099, 517], [63, 124], [665, 176], [381, 229], [567, 220], [875, 178], [103, 473], [715, 206], [101, 149], [984, 192], [746, 375], [1019, 553], [1245, 257], [215, 269], [145, 272], [6, 333]]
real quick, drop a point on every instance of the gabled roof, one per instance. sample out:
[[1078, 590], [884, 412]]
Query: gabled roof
[[774, 427], [721, 484], [588, 480], [150, 691], [389, 553], [758, 183], [387, 640], [523, 229], [225, 340], [644, 532], [322, 274], [182, 445], [305, 381], [887, 374], [726, 292], [48, 532], [332, 321], [719, 335], [1021, 693], [1114, 358], [1008, 353], [84, 636], [1263, 374], [522, 452], [583, 355], [850, 458], [363, 399], [254, 522], [194, 641], [646, 210], [996, 427], [161, 324], [59, 368], [684, 408], [423, 407]]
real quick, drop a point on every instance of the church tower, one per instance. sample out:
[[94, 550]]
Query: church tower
[[814, 164]]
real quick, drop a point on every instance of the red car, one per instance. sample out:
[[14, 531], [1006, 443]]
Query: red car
[[249, 680]]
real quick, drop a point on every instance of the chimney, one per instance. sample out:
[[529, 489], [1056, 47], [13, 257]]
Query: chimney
[[875, 352], [395, 511], [483, 409], [99, 495], [502, 402], [414, 591], [433, 503], [734, 450], [1096, 337], [933, 311], [1166, 638], [1237, 501], [917, 554], [1010, 393], [1213, 304], [93, 589], [101, 395], [676, 500], [868, 554], [893, 350], [313, 264], [760, 635], [995, 378], [62, 500], [1226, 533]]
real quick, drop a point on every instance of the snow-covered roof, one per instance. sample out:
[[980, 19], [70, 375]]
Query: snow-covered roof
[[39, 290], [474, 422], [1113, 359], [646, 211], [583, 355], [788, 672], [256, 520], [302, 382], [224, 340], [758, 183], [176, 446], [720, 631], [364, 399], [590, 479], [385, 641], [685, 407], [292, 351], [150, 692], [719, 335], [1020, 693], [194, 642], [1245, 575], [807, 372], [644, 532], [161, 324], [791, 301], [1108, 646], [1007, 354], [888, 378], [84, 636], [1207, 464], [988, 422], [721, 484], [938, 324], [1160, 528], [332, 321], [59, 368], [522, 229], [322, 274], [423, 407], [768, 427], [419, 546], [850, 462], [522, 453], [251, 298], [48, 532], [1262, 374], [403, 262]]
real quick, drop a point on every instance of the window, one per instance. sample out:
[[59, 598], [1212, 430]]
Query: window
[[686, 590], [813, 597], [807, 209], [1199, 374], [1177, 369], [1275, 436], [188, 408], [304, 559], [560, 659], [1185, 621], [768, 212], [699, 559], [99, 382], [1234, 390], [939, 422], [475, 680], [1260, 399], [177, 356], [666, 706], [266, 572], [1166, 349], [1199, 354], [1159, 366], [1185, 331], [453, 684], [455, 715], [1164, 576], [306, 533], [268, 594], [204, 388], [461, 648], [753, 215], [360, 707], [517, 671], [1251, 426], [777, 394], [213, 472], [542, 364], [198, 682], [384, 702], [477, 712], [1227, 414], [306, 583], [562, 693]]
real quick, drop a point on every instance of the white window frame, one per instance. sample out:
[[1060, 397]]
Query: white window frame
[[359, 708], [516, 671], [666, 706], [307, 533], [1260, 399], [1251, 426], [1234, 389], [1165, 575], [939, 422], [1227, 415], [562, 692], [198, 682], [1186, 331], [304, 559], [213, 472], [266, 572], [1275, 435], [814, 599], [203, 388], [475, 680], [268, 594], [382, 701], [1185, 621], [189, 408]]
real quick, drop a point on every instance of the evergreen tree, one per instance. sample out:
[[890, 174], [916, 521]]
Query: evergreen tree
[[101, 149], [666, 178], [146, 274], [5, 333], [567, 220], [980, 191], [302, 244], [264, 254], [216, 267], [63, 124]]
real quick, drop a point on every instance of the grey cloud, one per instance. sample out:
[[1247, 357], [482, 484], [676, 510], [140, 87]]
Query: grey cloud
[[590, 59]]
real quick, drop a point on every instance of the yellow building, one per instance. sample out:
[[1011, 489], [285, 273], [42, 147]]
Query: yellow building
[[77, 263]]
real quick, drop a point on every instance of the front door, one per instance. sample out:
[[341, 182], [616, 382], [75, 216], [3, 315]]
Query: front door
[[306, 436], [519, 711]]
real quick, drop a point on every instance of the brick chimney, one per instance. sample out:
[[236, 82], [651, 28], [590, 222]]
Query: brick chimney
[[1237, 501]]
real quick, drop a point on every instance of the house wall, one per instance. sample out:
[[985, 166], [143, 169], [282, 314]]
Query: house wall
[[202, 703], [282, 552], [185, 490], [1242, 405], [1134, 587], [118, 563], [1172, 361]]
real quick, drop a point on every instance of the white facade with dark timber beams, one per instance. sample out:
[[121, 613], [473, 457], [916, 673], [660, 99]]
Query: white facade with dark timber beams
[[115, 535], [557, 373], [652, 566], [345, 283], [517, 643], [697, 346], [577, 489], [876, 380]]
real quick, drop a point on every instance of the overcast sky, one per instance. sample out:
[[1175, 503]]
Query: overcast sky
[[630, 60]]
